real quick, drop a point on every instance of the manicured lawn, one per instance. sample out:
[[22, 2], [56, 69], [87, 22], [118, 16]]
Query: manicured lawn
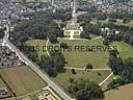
[[124, 49], [76, 58], [81, 59], [39, 44], [63, 78], [22, 80]]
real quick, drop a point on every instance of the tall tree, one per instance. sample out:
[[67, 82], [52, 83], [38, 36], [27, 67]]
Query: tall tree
[[86, 90]]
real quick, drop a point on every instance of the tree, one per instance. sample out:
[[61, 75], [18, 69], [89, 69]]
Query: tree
[[47, 65], [113, 52], [123, 68], [86, 90], [89, 66], [40, 26], [1, 33], [53, 38], [126, 20], [58, 61], [106, 41], [85, 35], [63, 14], [117, 82], [63, 45], [73, 71], [112, 20], [53, 64]]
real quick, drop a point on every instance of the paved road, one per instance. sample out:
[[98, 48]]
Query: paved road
[[35, 68]]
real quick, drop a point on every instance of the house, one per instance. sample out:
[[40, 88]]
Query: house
[[72, 29]]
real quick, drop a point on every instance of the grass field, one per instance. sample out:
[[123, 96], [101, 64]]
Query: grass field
[[118, 22], [121, 93], [22, 80], [39, 44], [124, 49], [63, 78], [81, 59]]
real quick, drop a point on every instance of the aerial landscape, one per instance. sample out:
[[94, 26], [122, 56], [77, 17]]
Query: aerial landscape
[[66, 49]]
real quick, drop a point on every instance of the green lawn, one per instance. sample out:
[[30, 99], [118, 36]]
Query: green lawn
[[63, 78], [40, 44], [124, 49], [81, 59]]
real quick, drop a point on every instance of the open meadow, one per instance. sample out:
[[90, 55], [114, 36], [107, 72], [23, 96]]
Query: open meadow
[[22, 80]]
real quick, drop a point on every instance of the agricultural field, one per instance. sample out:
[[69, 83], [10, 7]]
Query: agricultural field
[[22, 80], [121, 93], [2, 83]]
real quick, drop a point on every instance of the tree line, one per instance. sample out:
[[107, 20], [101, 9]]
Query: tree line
[[123, 68], [42, 25]]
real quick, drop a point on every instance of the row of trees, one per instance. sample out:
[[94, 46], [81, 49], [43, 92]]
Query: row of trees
[[123, 68], [123, 28], [90, 29], [125, 33], [1, 33], [126, 37], [92, 12]]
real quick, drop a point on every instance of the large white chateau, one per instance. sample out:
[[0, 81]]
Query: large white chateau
[[73, 29]]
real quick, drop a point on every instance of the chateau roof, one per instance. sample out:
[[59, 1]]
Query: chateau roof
[[72, 26]]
